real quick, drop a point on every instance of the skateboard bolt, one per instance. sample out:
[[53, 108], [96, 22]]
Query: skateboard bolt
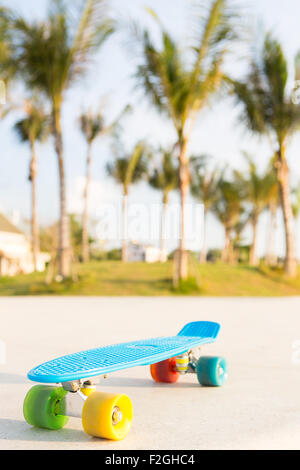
[[117, 416]]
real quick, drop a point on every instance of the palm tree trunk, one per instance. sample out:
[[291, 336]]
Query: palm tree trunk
[[284, 186], [34, 225], [64, 236], [227, 246], [236, 251], [271, 258], [163, 228], [230, 256], [124, 215], [203, 254], [253, 257], [85, 216], [184, 182]]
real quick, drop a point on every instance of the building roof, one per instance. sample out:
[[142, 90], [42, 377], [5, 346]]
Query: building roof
[[7, 226]]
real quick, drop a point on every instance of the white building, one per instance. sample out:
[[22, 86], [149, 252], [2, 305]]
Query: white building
[[137, 252], [15, 251]]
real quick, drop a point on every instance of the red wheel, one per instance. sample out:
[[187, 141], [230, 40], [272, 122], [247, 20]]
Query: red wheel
[[165, 371]]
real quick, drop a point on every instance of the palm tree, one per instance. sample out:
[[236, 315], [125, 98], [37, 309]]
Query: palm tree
[[92, 126], [62, 46], [228, 210], [32, 128], [257, 194], [7, 66], [204, 188], [4, 42], [181, 88], [271, 257], [269, 111], [165, 179], [127, 171], [238, 230], [273, 204]]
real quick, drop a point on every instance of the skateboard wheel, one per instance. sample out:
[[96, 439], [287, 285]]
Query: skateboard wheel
[[87, 391], [212, 371], [44, 407], [165, 371], [107, 416]]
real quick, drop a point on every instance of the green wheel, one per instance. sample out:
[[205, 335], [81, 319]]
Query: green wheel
[[44, 407], [212, 371]]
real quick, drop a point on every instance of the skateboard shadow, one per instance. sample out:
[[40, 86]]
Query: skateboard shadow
[[12, 379], [11, 429], [143, 383]]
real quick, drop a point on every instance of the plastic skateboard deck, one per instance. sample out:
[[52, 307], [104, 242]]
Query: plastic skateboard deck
[[103, 360]]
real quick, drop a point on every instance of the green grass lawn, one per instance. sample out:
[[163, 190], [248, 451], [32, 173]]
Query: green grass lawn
[[113, 278]]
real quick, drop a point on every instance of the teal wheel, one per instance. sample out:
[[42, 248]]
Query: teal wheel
[[212, 371], [44, 407]]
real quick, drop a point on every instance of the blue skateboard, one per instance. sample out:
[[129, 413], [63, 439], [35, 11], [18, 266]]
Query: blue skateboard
[[106, 415]]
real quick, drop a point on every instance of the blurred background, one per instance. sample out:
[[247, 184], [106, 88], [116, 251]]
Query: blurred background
[[149, 148]]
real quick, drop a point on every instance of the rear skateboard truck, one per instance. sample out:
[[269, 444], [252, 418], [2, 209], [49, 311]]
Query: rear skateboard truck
[[107, 415], [210, 370]]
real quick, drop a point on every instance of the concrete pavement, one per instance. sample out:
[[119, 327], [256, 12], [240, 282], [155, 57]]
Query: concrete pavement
[[259, 408]]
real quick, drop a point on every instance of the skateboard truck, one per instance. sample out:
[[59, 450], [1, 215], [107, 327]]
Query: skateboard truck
[[186, 363], [74, 404], [81, 384]]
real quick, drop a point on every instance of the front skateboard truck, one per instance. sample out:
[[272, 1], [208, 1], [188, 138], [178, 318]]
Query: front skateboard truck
[[103, 415]]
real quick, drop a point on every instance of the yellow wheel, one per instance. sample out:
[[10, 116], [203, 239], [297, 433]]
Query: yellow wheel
[[108, 416], [88, 390]]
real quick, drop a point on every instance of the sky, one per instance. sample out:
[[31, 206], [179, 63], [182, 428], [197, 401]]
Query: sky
[[110, 86]]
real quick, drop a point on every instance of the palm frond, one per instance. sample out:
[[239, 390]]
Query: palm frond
[[7, 65], [218, 28], [91, 125], [130, 168], [251, 95], [176, 87], [275, 69], [166, 176], [135, 168], [204, 182], [266, 106], [228, 204], [94, 27], [51, 55], [257, 187], [35, 126]]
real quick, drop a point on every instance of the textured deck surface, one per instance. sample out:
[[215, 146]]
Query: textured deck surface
[[104, 360]]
